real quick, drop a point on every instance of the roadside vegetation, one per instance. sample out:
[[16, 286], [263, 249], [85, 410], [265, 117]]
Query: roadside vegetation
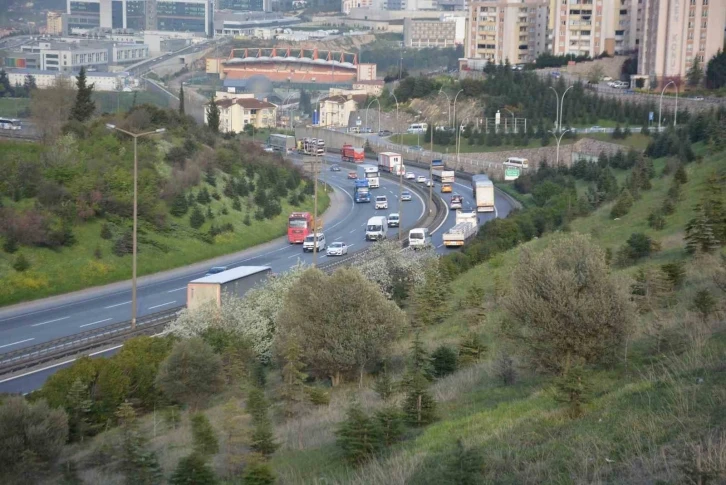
[[66, 204], [578, 340]]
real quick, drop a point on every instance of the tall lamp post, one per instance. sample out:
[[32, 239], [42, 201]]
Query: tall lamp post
[[135, 136], [458, 140], [514, 120], [558, 136], [379, 112], [660, 105], [457, 95], [448, 103], [400, 135], [558, 106], [431, 167]]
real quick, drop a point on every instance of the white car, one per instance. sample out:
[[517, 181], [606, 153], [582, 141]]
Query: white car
[[381, 202], [394, 219], [410, 175], [607, 78], [337, 249], [429, 183], [421, 179], [405, 195]]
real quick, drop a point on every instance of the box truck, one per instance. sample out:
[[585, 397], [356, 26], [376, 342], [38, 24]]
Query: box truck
[[349, 153], [233, 282], [467, 224]]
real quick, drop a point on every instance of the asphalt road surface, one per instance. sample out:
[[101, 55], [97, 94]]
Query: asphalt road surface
[[43, 320]]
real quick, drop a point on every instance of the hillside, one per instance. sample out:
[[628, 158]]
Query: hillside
[[66, 207]]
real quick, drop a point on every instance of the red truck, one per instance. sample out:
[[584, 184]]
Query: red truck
[[349, 153]]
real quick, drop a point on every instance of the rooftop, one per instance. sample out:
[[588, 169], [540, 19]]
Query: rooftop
[[231, 274], [342, 98], [246, 103], [40, 72], [372, 82]]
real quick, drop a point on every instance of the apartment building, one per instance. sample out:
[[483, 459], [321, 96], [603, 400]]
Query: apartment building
[[239, 110], [164, 15], [591, 27], [675, 32], [54, 23], [501, 30], [448, 31]]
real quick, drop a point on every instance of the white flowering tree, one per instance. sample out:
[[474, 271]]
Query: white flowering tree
[[252, 316], [393, 268]]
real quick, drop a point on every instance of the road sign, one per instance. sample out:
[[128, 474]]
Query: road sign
[[511, 173]]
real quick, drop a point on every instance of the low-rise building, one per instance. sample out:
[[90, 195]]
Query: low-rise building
[[335, 109], [102, 81], [239, 110], [69, 55], [373, 87]]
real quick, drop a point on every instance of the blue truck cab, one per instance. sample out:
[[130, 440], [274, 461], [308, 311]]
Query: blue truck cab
[[362, 192]]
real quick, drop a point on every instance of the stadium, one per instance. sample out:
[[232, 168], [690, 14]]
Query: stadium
[[288, 65]]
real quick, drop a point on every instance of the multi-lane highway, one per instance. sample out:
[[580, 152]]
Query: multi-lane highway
[[35, 322]]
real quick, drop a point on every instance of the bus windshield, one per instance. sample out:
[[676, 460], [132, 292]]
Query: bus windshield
[[298, 223]]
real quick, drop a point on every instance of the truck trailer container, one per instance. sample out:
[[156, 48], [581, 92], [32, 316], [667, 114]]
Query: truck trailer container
[[390, 162], [281, 143], [234, 282], [349, 153], [466, 227], [440, 174], [483, 193]]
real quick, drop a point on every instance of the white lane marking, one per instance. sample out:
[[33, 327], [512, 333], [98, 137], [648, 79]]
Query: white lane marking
[[49, 321], [293, 256], [445, 217], [351, 232], [440, 245], [117, 304], [94, 323], [16, 343], [57, 365], [177, 289], [163, 304]]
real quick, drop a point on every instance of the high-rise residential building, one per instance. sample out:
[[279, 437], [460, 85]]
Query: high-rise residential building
[[591, 27], [675, 32], [54, 23], [165, 15], [447, 31], [501, 30]]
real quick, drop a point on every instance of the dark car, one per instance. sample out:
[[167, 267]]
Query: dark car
[[385, 133], [334, 168], [216, 270]]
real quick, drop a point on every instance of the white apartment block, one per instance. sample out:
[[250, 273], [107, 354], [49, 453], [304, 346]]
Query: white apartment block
[[501, 30], [674, 32], [591, 27]]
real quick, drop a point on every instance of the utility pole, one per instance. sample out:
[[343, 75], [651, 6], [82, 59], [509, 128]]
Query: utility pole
[[315, 209], [400, 202], [431, 168]]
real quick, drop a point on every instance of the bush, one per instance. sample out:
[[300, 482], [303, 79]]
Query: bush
[[656, 220], [704, 304], [123, 245], [179, 206], [318, 396], [639, 245], [471, 349], [258, 472], [30, 432], [106, 231], [564, 304], [680, 176], [21, 263], [10, 245], [675, 273], [236, 204], [191, 373], [504, 369], [444, 361]]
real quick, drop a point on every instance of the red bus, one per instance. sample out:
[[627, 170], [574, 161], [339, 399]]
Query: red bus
[[299, 225]]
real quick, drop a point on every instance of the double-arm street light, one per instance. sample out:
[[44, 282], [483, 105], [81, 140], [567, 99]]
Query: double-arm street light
[[557, 132], [660, 105], [135, 136], [514, 120]]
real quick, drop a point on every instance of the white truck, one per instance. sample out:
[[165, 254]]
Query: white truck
[[377, 228], [370, 172], [391, 162], [483, 193], [466, 227]]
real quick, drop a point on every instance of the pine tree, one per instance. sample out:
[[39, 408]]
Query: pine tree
[[680, 176], [675, 273], [235, 436], [391, 424], [213, 115], [471, 349], [574, 390], [262, 439], [106, 231], [196, 220], [695, 73], [292, 390], [181, 99], [383, 385], [258, 472], [431, 297], [419, 406], [84, 106], [179, 205], [78, 405], [193, 470], [236, 204], [704, 304], [444, 361], [206, 442], [622, 205], [419, 360], [138, 463], [699, 234], [466, 466], [358, 436], [21, 263]]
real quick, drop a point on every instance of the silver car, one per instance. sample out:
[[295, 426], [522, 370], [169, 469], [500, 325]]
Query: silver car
[[337, 249], [405, 195]]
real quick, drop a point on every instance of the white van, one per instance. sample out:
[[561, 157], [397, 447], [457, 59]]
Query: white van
[[394, 219], [314, 242], [419, 237], [376, 229], [418, 128]]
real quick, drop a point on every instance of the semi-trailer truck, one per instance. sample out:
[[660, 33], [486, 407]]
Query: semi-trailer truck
[[349, 153], [361, 192], [391, 162], [483, 193], [234, 282], [466, 227], [281, 143]]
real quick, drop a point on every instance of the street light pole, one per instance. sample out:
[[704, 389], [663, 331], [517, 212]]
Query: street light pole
[[448, 103], [134, 250], [379, 112], [514, 120], [458, 141], [559, 139], [559, 105], [660, 105], [431, 166], [400, 135], [315, 210], [457, 95]]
